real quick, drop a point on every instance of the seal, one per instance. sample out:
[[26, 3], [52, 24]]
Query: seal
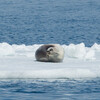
[[50, 53]]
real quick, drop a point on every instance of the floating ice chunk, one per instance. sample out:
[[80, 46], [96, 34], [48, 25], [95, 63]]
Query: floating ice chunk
[[96, 47], [24, 65], [90, 54], [79, 51], [6, 49], [76, 51]]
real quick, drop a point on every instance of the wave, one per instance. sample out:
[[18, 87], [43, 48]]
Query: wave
[[18, 61]]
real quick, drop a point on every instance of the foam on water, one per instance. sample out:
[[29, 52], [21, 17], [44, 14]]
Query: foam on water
[[18, 61]]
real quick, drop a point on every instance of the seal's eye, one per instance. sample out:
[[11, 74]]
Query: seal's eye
[[49, 49]]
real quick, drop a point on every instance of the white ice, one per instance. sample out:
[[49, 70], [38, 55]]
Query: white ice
[[18, 61]]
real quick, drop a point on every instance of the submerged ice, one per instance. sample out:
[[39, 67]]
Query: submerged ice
[[18, 61]]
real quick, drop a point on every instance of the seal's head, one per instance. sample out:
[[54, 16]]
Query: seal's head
[[50, 53]]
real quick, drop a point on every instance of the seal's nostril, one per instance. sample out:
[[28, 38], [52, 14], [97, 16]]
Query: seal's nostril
[[48, 52]]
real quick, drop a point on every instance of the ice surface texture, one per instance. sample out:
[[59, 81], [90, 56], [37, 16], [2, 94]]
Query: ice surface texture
[[18, 61]]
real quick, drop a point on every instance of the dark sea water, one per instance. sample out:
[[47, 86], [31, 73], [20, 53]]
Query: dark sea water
[[50, 21], [65, 89]]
